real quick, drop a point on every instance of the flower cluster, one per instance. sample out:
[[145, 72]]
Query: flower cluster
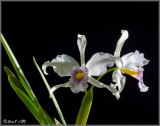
[[80, 74]]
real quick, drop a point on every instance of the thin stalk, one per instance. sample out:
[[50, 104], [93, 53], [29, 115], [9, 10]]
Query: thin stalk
[[109, 70], [52, 95]]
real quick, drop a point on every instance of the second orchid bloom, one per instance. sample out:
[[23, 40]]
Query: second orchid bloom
[[131, 64], [81, 74]]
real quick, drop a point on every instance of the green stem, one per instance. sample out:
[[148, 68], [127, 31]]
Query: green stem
[[109, 70], [52, 95]]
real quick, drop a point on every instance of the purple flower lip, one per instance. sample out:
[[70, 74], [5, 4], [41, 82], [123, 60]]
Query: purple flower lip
[[136, 74], [140, 74], [79, 75]]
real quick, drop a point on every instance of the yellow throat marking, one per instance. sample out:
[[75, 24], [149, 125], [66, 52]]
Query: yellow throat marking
[[79, 75], [129, 72]]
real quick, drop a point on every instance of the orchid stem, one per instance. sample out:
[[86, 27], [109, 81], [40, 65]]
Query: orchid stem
[[109, 70], [52, 95]]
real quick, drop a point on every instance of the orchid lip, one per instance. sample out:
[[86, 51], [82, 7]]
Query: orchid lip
[[79, 75], [136, 74], [129, 72]]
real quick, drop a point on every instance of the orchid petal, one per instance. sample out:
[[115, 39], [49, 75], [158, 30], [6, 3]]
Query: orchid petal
[[120, 43], [77, 87], [98, 84], [119, 80], [119, 63], [58, 86], [134, 60], [95, 82], [62, 65], [45, 65], [81, 41], [99, 62], [142, 86]]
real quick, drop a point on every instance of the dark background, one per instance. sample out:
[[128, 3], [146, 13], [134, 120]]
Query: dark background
[[48, 29]]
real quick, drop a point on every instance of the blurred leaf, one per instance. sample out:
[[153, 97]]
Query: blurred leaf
[[85, 108], [52, 95], [57, 122]]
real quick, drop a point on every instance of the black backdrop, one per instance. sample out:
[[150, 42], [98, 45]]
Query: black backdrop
[[47, 29]]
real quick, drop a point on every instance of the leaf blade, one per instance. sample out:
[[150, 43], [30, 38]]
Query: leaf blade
[[17, 68], [85, 108], [25, 98], [23, 85], [18, 83], [15, 82]]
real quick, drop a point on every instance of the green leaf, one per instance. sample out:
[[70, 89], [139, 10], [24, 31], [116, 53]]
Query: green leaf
[[23, 84], [85, 108], [52, 95], [25, 98], [17, 68], [8, 71], [17, 82], [48, 118], [34, 108]]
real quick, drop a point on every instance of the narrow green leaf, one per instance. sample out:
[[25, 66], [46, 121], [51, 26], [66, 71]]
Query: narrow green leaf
[[16, 81], [17, 68], [38, 112], [52, 95], [8, 71], [47, 119], [23, 81], [85, 108], [25, 98]]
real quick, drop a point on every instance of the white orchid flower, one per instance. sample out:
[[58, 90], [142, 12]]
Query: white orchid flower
[[65, 65], [131, 64]]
